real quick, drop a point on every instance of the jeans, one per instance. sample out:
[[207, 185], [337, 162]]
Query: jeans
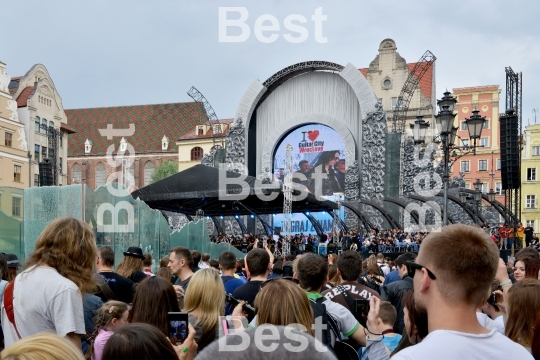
[[510, 242], [503, 243]]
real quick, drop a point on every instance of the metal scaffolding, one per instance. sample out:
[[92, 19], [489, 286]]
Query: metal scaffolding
[[287, 200]]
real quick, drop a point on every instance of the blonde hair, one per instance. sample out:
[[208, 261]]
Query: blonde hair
[[42, 346], [128, 265], [206, 294], [68, 245], [293, 306]]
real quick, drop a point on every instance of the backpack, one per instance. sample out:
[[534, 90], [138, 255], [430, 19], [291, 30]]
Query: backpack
[[341, 349]]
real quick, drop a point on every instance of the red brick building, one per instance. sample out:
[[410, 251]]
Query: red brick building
[[148, 139]]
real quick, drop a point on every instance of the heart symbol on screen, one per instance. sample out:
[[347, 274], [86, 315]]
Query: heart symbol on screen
[[312, 135]]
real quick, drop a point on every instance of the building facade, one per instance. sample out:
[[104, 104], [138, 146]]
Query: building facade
[[201, 141], [14, 163], [39, 107], [486, 164], [145, 134], [387, 74], [530, 185]]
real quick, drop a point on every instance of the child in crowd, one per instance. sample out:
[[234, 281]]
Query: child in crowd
[[385, 324], [109, 318]]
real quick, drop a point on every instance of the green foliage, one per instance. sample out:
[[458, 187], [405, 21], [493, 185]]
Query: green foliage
[[164, 170]]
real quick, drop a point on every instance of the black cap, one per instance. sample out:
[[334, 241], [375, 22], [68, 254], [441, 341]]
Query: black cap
[[135, 252], [12, 260]]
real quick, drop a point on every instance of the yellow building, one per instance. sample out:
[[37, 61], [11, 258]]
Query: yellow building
[[199, 142], [14, 165], [530, 185]]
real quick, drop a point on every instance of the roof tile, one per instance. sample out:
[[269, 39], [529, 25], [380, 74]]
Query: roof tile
[[151, 123]]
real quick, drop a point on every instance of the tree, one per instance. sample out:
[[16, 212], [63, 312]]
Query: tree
[[164, 170]]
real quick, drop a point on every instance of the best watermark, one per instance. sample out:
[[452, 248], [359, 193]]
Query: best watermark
[[267, 27]]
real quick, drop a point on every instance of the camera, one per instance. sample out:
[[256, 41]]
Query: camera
[[178, 327]]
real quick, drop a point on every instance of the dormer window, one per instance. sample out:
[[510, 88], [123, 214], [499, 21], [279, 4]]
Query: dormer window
[[123, 144], [217, 129], [87, 147], [200, 130], [164, 143]]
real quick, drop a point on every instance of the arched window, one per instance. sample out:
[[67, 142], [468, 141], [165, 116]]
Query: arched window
[[37, 124], [44, 126], [101, 175], [76, 174], [148, 172], [196, 153]]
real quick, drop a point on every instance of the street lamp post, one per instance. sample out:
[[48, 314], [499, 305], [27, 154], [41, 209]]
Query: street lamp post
[[448, 133], [477, 197]]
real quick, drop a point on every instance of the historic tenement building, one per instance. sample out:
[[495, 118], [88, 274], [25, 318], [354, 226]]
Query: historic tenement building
[[39, 107], [148, 139], [14, 165]]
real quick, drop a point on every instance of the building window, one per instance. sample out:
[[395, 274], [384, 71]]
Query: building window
[[36, 152], [531, 202], [217, 129], [465, 142], [499, 164], [482, 165], [101, 175], [467, 186], [17, 173], [486, 124], [148, 172], [484, 188], [61, 138], [498, 189], [465, 166], [531, 174], [36, 179], [37, 124], [196, 153], [394, 103], [43, 126], [43, 152], [536, 150], [51, 154], [8, 140], [60, 165], [529, 223], [16, 206], [200, 130], [464, 125], [76, 174], [484, 142]]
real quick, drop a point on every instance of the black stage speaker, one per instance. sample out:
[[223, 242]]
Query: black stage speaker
[[45, 173], [331, 249], [510, 151]]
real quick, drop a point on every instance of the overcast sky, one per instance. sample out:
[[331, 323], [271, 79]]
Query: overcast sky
[[130, 52]]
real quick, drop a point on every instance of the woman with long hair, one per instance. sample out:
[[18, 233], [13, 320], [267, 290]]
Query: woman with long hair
[[154, 298], [132, 264], [526, 268], [48, 295], [110, 317], [205, 303], [522, 308], [330, 185], [293, 307]]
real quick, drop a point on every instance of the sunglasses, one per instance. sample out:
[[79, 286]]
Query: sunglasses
[[412, 267], [289, 278]]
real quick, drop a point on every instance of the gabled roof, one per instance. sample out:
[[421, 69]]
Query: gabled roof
[[151, 123], [193, 134], [22, 99], [425, 83]]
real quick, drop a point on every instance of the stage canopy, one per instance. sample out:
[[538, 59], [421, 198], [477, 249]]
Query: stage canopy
[[215, 192]]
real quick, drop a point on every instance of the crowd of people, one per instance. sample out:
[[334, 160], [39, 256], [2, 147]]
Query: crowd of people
[[456, 298]]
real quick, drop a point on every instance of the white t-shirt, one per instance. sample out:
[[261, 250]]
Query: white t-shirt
[[446, 345], [44, 300]]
